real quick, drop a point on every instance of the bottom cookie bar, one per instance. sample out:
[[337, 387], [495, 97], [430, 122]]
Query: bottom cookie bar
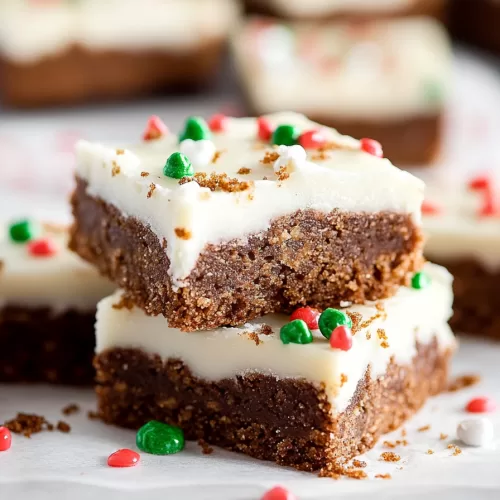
[[300, 405]]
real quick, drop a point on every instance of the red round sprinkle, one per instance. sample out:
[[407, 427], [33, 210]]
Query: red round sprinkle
[[372, 147], [123, 458], [217, 123], [5, 439], [265, 130], [429, 208], [307, 314], [312, 139], [278, 493], [155, 129], [42, 248], [341, 338], [479, 183], [480, 405]]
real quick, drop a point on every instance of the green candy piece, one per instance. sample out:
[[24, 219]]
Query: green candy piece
[[331, 318], [420, 280], [178, 166], [196, 128], [286, 135], [296, 332], [158, 438], [23, 231]]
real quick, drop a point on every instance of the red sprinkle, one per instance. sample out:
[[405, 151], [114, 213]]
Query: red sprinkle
[[307, 314], [278, 493], [123, 458], [218, 123], [372, 147], [479, 183], [429, 208], [484, 185], [155, 129], [312, 139], [341, 338], [480, 405], [5, 439], [265, 130], [42, 248]]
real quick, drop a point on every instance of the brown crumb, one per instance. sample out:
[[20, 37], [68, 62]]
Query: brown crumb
[[457, 451], [450, 446], [93, 415], [28, 424], [164, 243], [244, 171], [116, 169], [358, 463], [319, 156], [282, 174], [144, 174], [216, 156], [70, 409], [356, 318], [390, 456], [383, 476], [443, 436], [430, 452], [356, 474], [389, 444], [182, 233], [424, 428], [120, 151], [270, 157], [369, 321], [218, 182], [338, 468], [403, 432], [206, 449], [124, 303], [265, 330], [463, 381], [255, 337], [368, 335], [343, 379], [152, 188], [63, 426]]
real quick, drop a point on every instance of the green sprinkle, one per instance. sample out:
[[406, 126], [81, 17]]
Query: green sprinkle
[[286, 135], [178, 166], [196, 128], [296, 332], [331, 318], [23, 231], [420, 280], [158, 438]]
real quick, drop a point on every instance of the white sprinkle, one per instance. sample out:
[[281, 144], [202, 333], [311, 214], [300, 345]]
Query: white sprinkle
[[475, 432], [200, 153]]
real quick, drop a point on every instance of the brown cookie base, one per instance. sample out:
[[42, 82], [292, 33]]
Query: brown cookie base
[[287, 421], [80, 75], [39, 346], [476, 22], [432, 8], [476, 308], [307, 257]]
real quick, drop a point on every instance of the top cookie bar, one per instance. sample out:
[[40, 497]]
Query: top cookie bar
[[243, 217]]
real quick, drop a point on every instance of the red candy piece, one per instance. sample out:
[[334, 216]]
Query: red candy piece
[[372, 147], [341, 338], [155, 129], [307, 314], [278, 493], [312, 139], [484, 185], [217, 123], [480, 405], [5, 439], [429, 208], [479, 183], [123, 458], [265, 130], [42, 248]]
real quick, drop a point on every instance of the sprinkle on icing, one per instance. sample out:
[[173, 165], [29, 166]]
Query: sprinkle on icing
[[372, 147], [420, 280], [309, 315], [43, 247], [200, 152], [218, 123], [296, 332], [155, 129], [332, 318], [178, 166], [22, 231], [264, 129], [341, 338], [286, 135], [312, 139], [195, 128]]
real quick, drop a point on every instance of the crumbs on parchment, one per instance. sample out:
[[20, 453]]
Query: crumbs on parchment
[[63, 427], [120, 151], [217, 155], [70, 409], [206, 449], [116, 169], [255, 337], [244, 171], [28, 424], [359, 463], [455, 448], [383, 476], [144, 174], [93, 415], [424, 428], [390, 456], [430, 452], [463, 381], [443, 436], [183, 233], [152, 188], [218, 182], [343, 379]]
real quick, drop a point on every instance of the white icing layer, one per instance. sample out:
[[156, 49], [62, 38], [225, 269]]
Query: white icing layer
[[313, 8], [458, 231], [344, 178], [409, 316], [379, 71], [32, 30], [61, 281]]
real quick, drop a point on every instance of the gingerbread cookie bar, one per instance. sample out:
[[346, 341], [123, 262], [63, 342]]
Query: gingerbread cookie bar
[[277, 389], [384, 80], [217, 227], [114, 49], [48, 298], [320, 10], [462, 224]]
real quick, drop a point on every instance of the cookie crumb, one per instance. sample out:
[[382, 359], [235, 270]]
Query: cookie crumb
[[144, 174], [424, 428], [182, 233], [28, 424], [120, 152], [70, 409], [216, 156], [244, 171], [343, 379], [359, 463], [463, 381], [443, 436], [93, 415], [383, 476], [430, 452], [390, 456], [116, 169], [206, 449], [270, 157], [63, 427], [218, 182], [152, 188]]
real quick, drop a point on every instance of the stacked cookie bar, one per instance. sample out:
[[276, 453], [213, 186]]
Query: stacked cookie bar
[[273, 296]]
